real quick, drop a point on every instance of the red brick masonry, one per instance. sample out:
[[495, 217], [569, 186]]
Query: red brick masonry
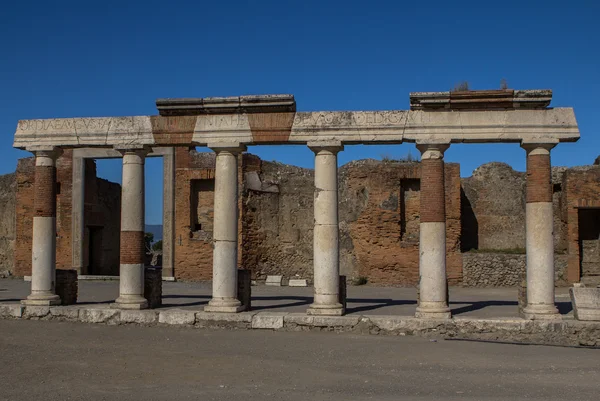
[[432, 191], [45, 191], [539, 188], [132, 247]]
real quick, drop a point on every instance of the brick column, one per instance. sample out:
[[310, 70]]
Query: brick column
[[43, 261], [433, 289], [131, 286], [326, 231], [225, 230], [539, 239]]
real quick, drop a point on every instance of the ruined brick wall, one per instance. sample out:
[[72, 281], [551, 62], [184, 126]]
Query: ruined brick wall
[[379, 214], [379, 221], [194, 193], [8, 188], [493, 209], [278, 220], [581, 204], [99, 210]]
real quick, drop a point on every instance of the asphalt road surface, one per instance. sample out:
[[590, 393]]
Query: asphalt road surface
[[47, 361]]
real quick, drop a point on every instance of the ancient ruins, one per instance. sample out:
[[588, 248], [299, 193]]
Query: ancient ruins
[[223, 209]]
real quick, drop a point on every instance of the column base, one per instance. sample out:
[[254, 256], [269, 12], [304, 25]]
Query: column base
[[133, 302], [541, 312], [42, 300], [326, 310], [433, 312], [225, 305]]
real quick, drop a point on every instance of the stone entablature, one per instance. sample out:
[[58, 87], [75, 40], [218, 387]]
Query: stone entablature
[[348, 127]]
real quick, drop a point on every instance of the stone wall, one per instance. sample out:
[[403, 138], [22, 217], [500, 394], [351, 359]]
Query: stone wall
[[8, 186], [379, 221], [493, 209], [194, 177], [503, 270], [580, 214], [102, 210]]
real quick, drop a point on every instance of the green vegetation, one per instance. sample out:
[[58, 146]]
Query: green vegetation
[[360, 280]]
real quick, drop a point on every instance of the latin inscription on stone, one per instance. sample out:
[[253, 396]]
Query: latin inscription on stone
[[114, 124], [345, 119]]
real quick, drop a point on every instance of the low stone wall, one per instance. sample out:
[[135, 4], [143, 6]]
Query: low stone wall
[[558, 332], [503, 270]]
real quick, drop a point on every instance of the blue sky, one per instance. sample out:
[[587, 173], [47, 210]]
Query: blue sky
[[113, 58]]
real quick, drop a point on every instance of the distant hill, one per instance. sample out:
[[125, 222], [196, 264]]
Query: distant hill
[[156, 229]]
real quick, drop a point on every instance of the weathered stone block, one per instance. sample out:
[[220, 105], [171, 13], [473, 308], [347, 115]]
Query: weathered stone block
[[67, 286], [139, 316], [36, 311], [99, 315], [268, 320], [586, 303], [65, 313], [174, 316], [298, 282], [244, 290], [153, 286], [276, 281], [11, 310]]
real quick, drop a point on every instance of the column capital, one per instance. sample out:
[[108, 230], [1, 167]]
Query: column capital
[[432, 150], [51, 152], [140, 150], [538, 148], [330, 146], [231, 147]]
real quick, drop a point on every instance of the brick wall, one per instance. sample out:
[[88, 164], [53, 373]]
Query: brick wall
[[101, 200]]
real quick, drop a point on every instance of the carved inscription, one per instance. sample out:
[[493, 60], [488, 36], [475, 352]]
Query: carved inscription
[[348, 118], [208, 122], [115, 124]]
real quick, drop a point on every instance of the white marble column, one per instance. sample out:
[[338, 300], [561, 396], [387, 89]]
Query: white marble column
[[225, 231], [326, 231], [433, 287], [132, 253], [539, 238], [43, 260]]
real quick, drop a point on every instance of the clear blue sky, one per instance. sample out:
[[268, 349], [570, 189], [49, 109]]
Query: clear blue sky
[[112, 58]]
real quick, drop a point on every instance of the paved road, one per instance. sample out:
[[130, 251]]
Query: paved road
[[74, 361], [371, 300]]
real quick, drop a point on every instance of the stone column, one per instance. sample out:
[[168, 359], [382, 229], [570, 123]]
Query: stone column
[[43, 260], [326, 231], [77, 214], [433, 288], [225, 230], [168, 213], [539, 239], [131, 286]]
